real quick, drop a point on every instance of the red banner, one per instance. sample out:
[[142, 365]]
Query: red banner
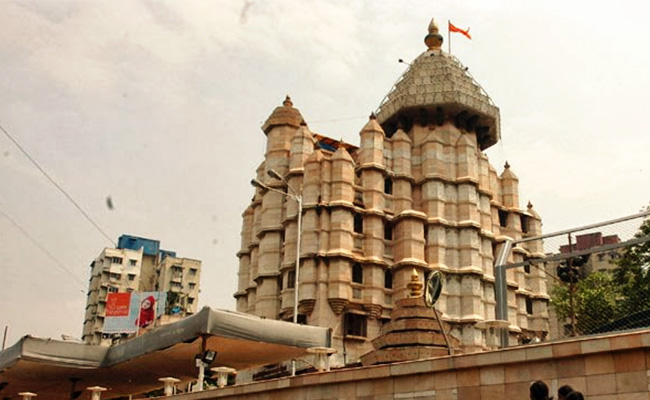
[[118, 304]]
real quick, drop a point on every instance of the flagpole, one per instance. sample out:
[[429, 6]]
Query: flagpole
[[448, 37]]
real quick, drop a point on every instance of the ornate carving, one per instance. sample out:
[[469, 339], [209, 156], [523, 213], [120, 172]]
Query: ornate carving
[[374, 310], [306, 306], [338, 305]]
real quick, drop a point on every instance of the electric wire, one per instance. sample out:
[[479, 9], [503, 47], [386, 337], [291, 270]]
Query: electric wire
[[322, 121], [44, 250], [37, 165]]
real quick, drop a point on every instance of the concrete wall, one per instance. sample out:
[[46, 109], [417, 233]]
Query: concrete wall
[[615, 367]]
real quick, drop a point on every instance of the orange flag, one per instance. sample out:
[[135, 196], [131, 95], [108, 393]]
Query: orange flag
[[452, 28]]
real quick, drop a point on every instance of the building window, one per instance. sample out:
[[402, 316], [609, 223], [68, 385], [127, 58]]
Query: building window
[[388, 231], [133, 262], [302, 319], [529, 305], [503, 218], [388, 279], [131, 277], [192, 271], [291, 279], [388, 186], [192, 286], [358, 223], [525, 223], [357, 273], [116, 260], [114, 276], [112, 289], [355, 325], [190, 300], [177, 268], [526, 266]]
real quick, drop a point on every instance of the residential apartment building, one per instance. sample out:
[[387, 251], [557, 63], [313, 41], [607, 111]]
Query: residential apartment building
[[417, 193], [139, 265]]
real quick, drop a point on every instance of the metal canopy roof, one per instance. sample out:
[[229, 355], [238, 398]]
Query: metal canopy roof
[[54, 369]]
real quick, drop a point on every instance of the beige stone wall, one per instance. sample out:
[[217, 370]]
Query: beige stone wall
[[615, 367]]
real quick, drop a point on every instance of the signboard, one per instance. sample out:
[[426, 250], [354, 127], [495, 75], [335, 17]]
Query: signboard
[[128, 312]]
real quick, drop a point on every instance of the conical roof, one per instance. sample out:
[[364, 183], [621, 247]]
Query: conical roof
[[437, 86], [286, 114]]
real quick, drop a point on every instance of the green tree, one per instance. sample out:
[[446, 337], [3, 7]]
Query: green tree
[[595, 302], [631, 273]]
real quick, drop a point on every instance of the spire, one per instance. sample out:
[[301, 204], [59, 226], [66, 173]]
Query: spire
[[434, 39], [286, 114], [415, 287], [287, 102], [372, 125]]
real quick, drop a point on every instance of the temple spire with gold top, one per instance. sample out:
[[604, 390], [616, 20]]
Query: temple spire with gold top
[[434, 39]]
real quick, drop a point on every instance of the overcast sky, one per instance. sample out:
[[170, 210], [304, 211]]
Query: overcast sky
[[159, 106]]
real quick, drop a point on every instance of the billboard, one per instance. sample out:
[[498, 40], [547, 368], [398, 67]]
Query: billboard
[[129, 312]]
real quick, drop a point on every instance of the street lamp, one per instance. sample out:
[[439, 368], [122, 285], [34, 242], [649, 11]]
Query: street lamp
[[292, 194]]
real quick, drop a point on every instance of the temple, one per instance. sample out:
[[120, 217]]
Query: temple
[[418, 193]]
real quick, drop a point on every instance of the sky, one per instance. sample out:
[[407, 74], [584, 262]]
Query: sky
[[158, 105]]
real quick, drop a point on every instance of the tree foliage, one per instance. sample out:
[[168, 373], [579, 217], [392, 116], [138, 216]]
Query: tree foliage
[[607, 296], [595, 302], [631, 272]]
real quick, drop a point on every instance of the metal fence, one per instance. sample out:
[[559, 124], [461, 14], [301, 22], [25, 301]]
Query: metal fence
[[592, 279]]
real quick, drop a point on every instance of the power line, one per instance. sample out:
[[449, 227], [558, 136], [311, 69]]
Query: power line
[[336, 119], [77, 206], [44, 250]]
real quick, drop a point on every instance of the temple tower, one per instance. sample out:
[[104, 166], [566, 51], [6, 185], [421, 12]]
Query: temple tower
[[418, 194]]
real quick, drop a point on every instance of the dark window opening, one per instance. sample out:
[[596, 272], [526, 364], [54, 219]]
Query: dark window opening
[[503, 218], [358, 223], [388, 279], [529, 306], [357, 273], [291, 279], [355, 325], [388, 186], [527, 266], [302, 319], [388, 231], [525, 227], [280, 283]]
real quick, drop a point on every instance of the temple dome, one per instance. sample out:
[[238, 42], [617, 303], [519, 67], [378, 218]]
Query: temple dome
[[437, 87], [285, 114]]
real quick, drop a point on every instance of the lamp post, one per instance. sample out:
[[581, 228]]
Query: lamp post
[[298, 198]]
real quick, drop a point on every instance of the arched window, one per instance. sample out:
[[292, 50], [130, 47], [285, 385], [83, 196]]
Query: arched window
[[388, 185], [388, 279], [357, 273]]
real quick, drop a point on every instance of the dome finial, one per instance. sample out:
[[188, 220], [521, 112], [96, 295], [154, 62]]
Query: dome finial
[[415, 286], [434, 39], [287, 102], [506, 165]]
